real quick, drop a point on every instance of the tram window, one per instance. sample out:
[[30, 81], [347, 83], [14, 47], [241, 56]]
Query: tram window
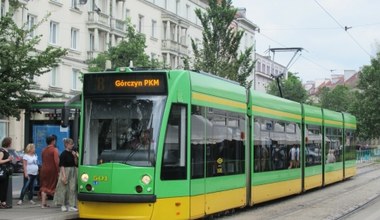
[[279, 126], [313, 148], [334, 147], [199, 126], [225, 144], [350, 145], [174, 152], [290, 128], [272, 147]]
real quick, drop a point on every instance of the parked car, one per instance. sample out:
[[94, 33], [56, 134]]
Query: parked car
[[17, 161]]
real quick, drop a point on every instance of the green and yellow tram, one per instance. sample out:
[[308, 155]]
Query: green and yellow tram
[[178, 144]]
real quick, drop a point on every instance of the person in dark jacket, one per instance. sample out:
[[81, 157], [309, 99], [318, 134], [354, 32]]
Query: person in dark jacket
[[5, 159]]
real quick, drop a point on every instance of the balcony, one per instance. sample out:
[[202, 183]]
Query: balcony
[[98, 20], [174, 47], [118, 27], [92, 54]]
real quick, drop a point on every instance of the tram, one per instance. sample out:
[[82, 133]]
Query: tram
[[178, 144]]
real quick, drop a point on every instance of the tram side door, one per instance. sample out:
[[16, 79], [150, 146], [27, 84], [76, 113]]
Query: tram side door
[[197, 182], [197, 164], [173, 183]]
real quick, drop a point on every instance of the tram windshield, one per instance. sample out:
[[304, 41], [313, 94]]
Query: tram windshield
[[122, 129]]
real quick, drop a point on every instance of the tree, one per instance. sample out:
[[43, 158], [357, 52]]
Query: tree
[[219, 54], [338, 99], [20, 62], [130, 49], [292, 88], [366, 107]]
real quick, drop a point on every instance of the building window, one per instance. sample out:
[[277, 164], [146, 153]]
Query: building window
[[154, 27], [127, 13], [31, 20], [92, 42], [74, 4], [3, 128], [246, 43], [258, 66], [75, 80], [187, 12], [177, 7], [141, 24], [263, 67], [53, 32], [74, 38], [2, 8], [54, 77], [268, 69]]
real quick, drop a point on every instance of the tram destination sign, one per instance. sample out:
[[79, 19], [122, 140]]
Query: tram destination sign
[[128, 83]]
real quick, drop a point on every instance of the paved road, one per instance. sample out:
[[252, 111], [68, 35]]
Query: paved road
[[329, 203], [370, 212]]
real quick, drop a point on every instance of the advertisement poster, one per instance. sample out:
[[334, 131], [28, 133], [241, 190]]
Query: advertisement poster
[[40, 132]]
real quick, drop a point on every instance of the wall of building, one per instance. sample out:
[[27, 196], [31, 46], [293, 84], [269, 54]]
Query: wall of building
[[87, 30]]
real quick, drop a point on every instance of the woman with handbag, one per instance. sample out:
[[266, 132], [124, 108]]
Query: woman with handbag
[[5, 160], [30, 173]]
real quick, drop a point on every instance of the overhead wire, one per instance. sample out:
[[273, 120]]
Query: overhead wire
[[301, 55], [345, 28]]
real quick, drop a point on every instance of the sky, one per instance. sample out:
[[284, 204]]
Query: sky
[[317, 26]]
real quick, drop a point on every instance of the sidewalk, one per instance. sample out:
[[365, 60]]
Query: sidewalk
[[28, 211]]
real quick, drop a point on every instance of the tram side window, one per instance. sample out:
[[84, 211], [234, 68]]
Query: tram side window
[[174, 152], [199, 126], [273, 142], [350, 145], [225, 143], [313, 149], [334, 147]]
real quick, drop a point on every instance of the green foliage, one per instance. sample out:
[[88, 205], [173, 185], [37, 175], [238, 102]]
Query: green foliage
[[337, 99], [130, 49], [219, 54], [367, 102], [291, 88], [20, 62]]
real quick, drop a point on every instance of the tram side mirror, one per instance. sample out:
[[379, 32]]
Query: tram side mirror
[[65, 117]]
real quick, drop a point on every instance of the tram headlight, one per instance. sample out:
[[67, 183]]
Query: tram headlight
[[146, 179], [84, 177]]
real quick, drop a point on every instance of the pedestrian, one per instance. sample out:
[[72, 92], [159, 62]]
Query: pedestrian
[[49, 170], [67, 184], [29, 161], [331, 157], [298, 156], [293, 157], [5, 160]]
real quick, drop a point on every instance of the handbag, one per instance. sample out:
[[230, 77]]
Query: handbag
[[6, 168], [3, 172], [9, 169]]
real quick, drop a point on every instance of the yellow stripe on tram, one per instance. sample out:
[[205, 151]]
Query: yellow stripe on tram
[[350, 125], [340, 123], [275, 112], [208, 98], [312, 119]]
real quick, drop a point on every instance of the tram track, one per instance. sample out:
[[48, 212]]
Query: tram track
[[333, 202], [360, 207]]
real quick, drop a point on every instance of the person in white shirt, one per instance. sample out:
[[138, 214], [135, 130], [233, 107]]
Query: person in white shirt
[[30, 173], [293, 157]]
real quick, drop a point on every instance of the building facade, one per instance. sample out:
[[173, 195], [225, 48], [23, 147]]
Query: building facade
[[265, 68], [88, 27]]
